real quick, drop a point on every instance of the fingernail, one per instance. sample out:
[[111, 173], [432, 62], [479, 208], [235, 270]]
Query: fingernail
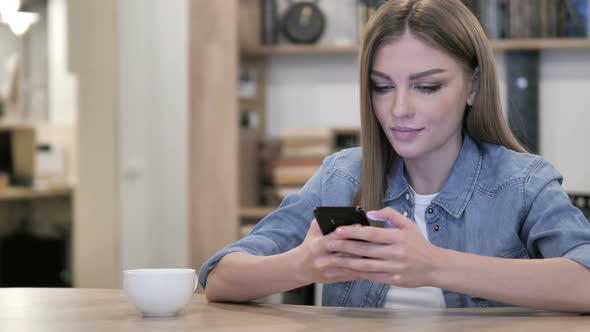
[[375, 217]]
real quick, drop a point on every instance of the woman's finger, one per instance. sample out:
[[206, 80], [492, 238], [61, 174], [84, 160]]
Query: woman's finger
[[369, 234], [364, 249]]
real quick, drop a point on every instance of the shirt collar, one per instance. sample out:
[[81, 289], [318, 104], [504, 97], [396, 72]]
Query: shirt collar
[[456, 193]]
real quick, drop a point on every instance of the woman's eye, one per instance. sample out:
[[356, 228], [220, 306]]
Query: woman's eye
[[428, 89], [381, 88]]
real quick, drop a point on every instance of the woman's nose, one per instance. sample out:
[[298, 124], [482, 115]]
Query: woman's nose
[[402, 106]]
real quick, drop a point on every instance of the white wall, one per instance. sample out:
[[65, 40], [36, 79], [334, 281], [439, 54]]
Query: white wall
[[312, 91], [153, 80], [63, 87], [316, 91], [9, 45], [565, 115], [320, 91]]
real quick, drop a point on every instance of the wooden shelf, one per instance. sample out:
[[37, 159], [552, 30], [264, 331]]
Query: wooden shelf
[[300, 50], [256, 212], [539, 44], [499, 44], [24, 194], [6, 126]]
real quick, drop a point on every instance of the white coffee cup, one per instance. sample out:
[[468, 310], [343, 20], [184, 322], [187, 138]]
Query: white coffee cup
[[159, 292]]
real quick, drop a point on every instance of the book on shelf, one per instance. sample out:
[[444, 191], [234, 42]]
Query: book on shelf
[[307, 152], [524, 19], [305, 134], [296, 163], [335, 138], [247, 83], [548, 18], [366, 9], [294, 172], [301, 154], [576, 18], [488, 13], [306, 143], [346, 138], [269, 25]]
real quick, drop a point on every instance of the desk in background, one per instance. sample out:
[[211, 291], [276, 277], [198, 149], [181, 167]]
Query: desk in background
[[107, 310], [35, 237], [26, 194]]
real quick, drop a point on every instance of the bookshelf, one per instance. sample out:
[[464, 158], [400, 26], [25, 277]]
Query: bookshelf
[[255, 55], [498, 44], [250, 48], [300, 50]]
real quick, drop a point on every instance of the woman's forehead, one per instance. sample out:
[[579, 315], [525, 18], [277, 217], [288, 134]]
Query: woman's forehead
[[409, 54]]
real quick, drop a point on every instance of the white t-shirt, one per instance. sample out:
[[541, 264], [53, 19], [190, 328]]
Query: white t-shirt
[[419, 297]]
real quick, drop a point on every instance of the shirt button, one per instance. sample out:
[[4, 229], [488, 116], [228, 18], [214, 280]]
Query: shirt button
[[436, 228], [407, 197], [405, 213], [430, 210]]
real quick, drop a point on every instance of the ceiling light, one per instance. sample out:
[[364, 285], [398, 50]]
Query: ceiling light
[[20, 22], [8, 8]]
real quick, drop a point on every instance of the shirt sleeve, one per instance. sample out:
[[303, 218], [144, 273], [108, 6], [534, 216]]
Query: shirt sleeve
[[280, 231], [553, 226]]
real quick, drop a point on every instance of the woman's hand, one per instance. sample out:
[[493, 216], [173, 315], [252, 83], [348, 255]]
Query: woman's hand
[[319, 264], [398, 256]]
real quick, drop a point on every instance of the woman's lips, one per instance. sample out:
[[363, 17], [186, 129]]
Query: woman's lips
[[405, 133]]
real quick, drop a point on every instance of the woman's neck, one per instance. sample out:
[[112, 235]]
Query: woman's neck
[[428, 174]]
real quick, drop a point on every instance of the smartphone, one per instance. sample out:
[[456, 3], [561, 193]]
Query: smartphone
[[331, 217]]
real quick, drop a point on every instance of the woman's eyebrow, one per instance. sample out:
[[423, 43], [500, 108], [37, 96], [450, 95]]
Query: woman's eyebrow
[[413, 76]]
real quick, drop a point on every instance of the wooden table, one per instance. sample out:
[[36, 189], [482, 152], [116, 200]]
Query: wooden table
[[107, 310]]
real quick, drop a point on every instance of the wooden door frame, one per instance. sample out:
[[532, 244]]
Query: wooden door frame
[[213, 127]]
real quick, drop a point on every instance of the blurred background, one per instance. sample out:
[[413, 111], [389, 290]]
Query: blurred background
[[150, 133]]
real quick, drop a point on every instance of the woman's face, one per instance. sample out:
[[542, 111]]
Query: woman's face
[[419, 95]]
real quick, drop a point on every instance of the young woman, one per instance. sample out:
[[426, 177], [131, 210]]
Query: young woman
[[469, 213]]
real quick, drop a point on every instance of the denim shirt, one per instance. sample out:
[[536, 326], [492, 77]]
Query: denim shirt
[[496, 202]]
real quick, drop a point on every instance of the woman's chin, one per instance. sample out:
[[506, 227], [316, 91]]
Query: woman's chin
[[407, 151]]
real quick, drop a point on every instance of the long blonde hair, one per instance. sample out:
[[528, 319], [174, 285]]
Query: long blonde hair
[[450, 26]]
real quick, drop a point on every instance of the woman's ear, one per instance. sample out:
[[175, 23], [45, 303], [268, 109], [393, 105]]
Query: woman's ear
[[473, 87]]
